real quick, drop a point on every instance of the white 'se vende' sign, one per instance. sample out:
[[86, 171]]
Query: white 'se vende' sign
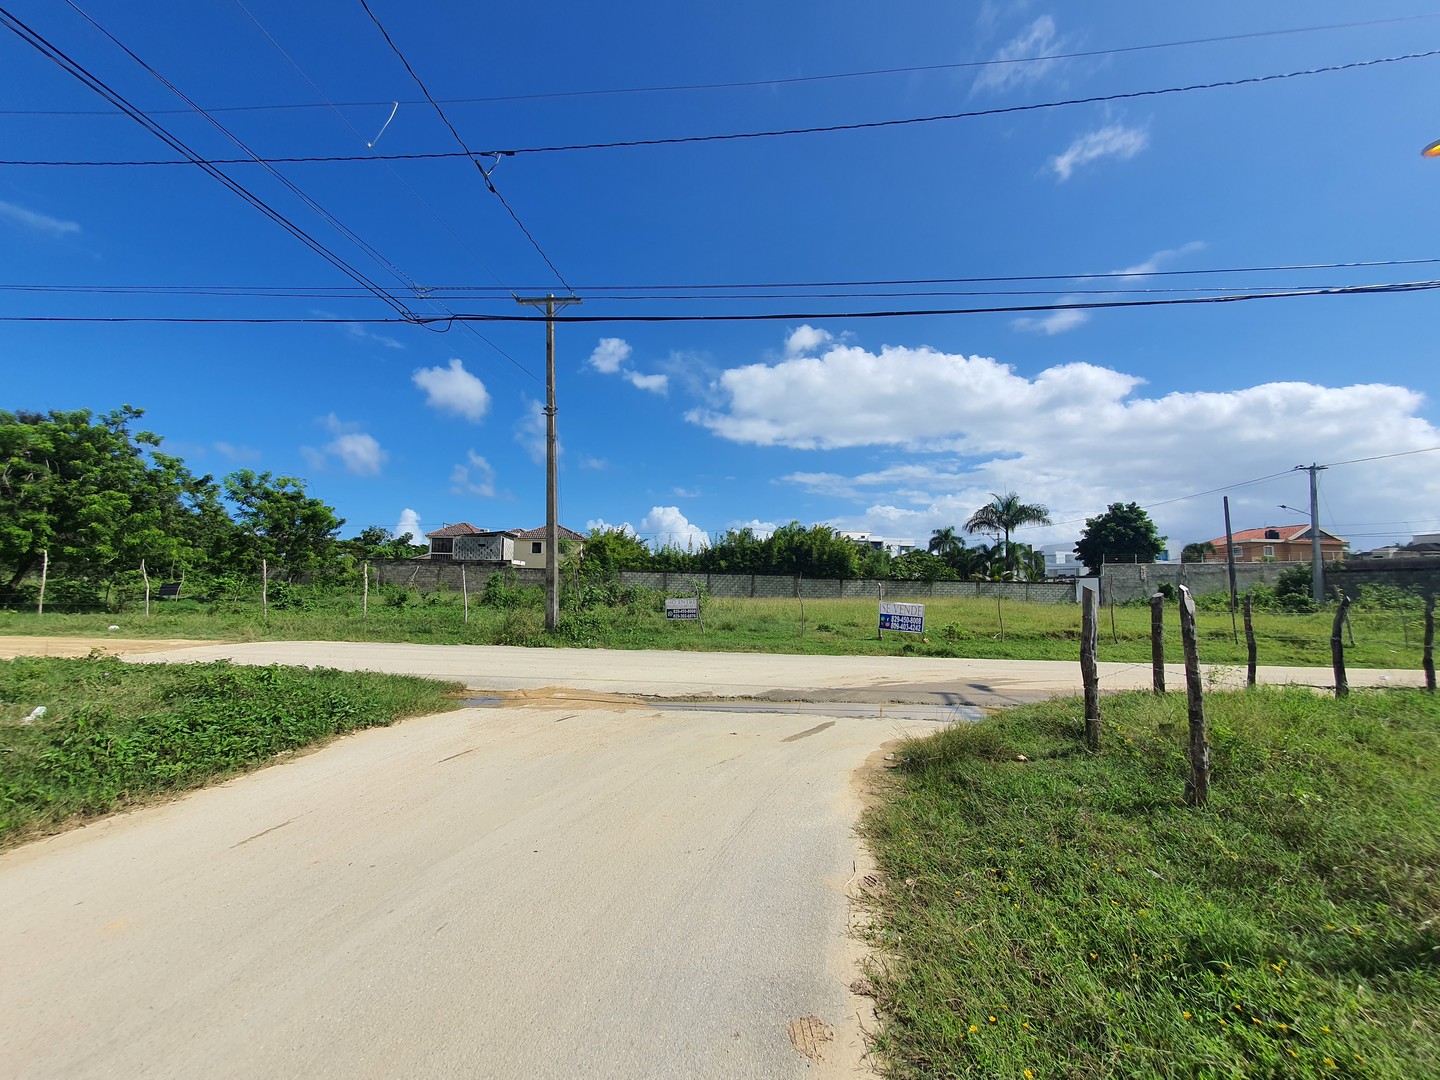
[[685, 607], [907, 618]]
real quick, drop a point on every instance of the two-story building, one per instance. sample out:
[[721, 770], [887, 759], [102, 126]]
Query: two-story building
[[1282, 543]]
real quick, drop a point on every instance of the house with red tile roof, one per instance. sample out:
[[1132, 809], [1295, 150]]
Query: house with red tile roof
[[1282, 543]]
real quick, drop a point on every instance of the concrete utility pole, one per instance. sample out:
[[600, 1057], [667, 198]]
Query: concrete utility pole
[[1317, 568], [552, 486]]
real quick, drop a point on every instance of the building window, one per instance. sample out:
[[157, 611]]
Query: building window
[[536, 547], [1239, 552], [442, 545], [1269, 551]]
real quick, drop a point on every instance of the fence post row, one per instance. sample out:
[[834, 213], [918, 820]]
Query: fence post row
[[1337, 647], [1089, 672], [1197, 786], [1157, 642], [1429, 653]]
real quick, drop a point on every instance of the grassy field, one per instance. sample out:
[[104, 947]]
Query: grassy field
[[113, 734], [635, 620], [1068, 916]]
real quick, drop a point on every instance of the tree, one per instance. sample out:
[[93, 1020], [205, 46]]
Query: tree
[[1123, 533], [95, 495], [375, 542], [1196, 552], [945, 542], [920, 566], [608, 551], [816, 552], [1001, 516], [280, 523]]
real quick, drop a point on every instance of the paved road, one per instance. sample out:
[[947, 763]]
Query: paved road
[[689, 674], [571, 884]]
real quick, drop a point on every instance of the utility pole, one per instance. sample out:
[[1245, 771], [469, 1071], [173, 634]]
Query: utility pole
[[1317, 568], [552, 485]]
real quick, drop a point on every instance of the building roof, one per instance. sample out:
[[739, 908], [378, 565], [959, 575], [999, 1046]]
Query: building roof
[[1288, 534], [463, 528], [539, 534]]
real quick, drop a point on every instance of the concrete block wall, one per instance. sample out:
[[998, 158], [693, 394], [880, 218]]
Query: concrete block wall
[[1120, 582], [1421, 575], [429, 575]]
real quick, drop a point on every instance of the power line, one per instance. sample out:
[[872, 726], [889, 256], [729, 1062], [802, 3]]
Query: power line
[[750, 83], [1085, 305], [484, 176], [768, 134], [1382, 457], [89, 79], [341, 291], [423, 294]]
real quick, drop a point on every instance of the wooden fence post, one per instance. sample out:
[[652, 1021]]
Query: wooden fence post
[[264, 590], [365, 591], [1429, 654], [1337, 647], [465, 592], [1197, 787], [45, 571], [146, 577], [1249, 642], [1089, 672], [1157, 642]]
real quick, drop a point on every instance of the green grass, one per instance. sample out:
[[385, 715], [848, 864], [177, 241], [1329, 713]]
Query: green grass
[[955, 627], [113, 733], [1069, 916]]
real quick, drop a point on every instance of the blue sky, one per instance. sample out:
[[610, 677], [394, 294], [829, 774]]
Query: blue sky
[[895, 425]]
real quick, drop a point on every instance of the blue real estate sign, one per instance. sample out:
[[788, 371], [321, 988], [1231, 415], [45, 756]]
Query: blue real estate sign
[[907, 618]]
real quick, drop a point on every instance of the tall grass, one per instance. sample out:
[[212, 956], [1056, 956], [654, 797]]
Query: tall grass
[[1067, 915], [628, 618]]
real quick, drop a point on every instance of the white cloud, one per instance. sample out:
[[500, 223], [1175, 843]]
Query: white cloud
[[530, 433], [37, 222], [359, 332], [359, 452], [1036, 40], [805, 339], [588, 462], [409, 523], [666, 525], [235, 452], [657, 384], [1058, 322], [761, 529], [473, 476], [609, 355], [1076, 437], [454, 390], [686, 493], [1113, 140], [605, 526], [610, 358]]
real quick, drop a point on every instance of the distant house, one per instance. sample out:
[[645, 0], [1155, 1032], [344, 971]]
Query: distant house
[[1422, 546], [530, 545], [894, 545], [1283, 543], [464, 542]]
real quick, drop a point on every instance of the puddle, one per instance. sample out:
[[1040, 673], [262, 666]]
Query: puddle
[[484, 701], [944, 714]]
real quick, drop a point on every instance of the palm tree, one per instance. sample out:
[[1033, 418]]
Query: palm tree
[[946, 542], [1004, 513]]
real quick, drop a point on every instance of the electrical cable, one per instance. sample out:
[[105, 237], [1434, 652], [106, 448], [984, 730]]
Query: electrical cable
[[818, 129], [89, 79], [1382, 457], [341, 291], [420, 293], [484, 176], [742, 84], [1086, 305]]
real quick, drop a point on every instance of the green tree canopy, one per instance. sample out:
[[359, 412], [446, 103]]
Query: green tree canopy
[[280, 523], [1197, 552], [1124, 533], [94, 494]]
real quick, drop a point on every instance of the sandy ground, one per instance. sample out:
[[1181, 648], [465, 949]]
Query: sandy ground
[[583, 880], [522, 891]]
